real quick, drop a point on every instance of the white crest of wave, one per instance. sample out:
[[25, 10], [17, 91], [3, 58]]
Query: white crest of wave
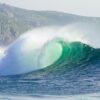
[[35, 39], [70, 33], [38, 37]]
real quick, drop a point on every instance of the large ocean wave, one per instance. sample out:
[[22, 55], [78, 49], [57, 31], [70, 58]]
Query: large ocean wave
[[51, 46], [52, 61]]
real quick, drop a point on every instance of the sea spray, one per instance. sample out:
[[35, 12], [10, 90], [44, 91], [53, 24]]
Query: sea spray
[[24, 54]]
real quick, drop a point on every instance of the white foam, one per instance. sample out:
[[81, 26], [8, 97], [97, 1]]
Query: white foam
[[38, 37], [2, 54], [95, 96]]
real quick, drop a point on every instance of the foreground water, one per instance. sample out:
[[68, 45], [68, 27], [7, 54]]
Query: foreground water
[[70, 97]]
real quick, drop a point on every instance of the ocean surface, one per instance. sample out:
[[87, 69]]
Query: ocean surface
[[52, 63]]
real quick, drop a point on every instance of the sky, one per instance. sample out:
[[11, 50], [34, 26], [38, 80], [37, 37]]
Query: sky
[[79, 7]]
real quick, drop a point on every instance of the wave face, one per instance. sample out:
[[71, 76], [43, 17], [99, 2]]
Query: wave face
[[61, 52], [42, 48]]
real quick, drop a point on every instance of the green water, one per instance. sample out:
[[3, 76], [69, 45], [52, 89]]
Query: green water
[[60, 51], [51, 53]]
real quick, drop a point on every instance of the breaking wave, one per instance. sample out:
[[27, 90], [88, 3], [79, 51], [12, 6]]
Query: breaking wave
[[51, 46]]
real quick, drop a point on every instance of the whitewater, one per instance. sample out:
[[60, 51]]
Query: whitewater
[[71, 97]]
